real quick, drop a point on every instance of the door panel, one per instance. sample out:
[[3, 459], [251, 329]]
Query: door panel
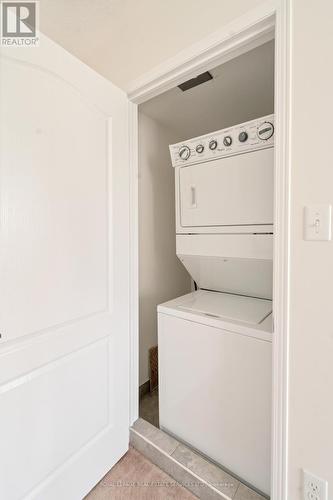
[[64, 428], [212, 194], [64, 275], [54, 207]]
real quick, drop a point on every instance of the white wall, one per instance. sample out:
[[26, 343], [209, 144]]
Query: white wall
[[311, 328], [161, 275], [242, 89]]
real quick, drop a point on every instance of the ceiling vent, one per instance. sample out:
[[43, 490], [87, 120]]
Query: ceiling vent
[[194, 82]]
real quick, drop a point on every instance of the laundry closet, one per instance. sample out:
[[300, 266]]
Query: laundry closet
[[206, 230]]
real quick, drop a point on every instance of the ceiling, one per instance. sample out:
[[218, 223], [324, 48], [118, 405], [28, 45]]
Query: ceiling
[[241, 89], [123, 39]]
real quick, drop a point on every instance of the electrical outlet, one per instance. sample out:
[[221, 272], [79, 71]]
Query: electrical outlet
[[315, 488]]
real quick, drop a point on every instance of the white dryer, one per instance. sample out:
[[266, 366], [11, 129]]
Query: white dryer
[[224, 208], [215, 343]]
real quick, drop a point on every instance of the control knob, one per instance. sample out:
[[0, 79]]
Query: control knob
[[227, 141], [243, 136], [213, 144], [200, 148], [184, 152]]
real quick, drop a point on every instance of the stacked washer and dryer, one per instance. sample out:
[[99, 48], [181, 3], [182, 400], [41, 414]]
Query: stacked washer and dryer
[[215, 344]]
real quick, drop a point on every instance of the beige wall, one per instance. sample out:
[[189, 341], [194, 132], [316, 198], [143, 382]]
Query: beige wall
[[161, 275], [123, 39], [311, 328]]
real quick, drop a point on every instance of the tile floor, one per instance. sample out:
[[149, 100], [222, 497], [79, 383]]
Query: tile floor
[[135, 477], [148, 408], [184, 464], [226, 484]]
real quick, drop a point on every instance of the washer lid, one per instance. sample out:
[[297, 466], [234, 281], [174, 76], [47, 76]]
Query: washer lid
[[227, 306]]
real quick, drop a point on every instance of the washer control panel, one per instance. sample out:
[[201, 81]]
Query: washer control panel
[[243, 138]]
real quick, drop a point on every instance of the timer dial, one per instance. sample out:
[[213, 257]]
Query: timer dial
[[265, 131]]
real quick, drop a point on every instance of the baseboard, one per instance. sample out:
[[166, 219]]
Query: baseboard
[[144, 389]]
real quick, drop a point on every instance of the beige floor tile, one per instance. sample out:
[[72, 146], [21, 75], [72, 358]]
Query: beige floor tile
[[148, 408], [173, 468], [206, 470], [244, 493], [136, 478], [167, 443]]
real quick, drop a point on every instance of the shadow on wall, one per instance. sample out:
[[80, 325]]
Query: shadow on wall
[[161, 275]]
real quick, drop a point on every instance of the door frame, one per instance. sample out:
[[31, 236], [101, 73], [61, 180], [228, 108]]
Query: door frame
[[268, 20]]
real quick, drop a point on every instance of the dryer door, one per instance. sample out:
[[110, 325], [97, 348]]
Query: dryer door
[[232, 191]]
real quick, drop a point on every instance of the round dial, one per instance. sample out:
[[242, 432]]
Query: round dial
[[213, 144], [265, 131], [243, 136], [184, 152], [200, 148], [227, 141]]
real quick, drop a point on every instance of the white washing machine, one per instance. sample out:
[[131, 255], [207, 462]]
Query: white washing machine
[[215, 379], [215, 343]]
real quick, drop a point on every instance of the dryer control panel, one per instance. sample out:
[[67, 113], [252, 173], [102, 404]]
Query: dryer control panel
[[243, 138]]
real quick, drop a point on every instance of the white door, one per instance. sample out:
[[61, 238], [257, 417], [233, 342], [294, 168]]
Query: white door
[[64, 282], [232, 191]]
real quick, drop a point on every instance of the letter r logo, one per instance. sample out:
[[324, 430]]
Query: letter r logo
[[18, 19]]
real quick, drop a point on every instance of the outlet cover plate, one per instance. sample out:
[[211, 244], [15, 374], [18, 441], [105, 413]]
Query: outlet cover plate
[[315, 488]]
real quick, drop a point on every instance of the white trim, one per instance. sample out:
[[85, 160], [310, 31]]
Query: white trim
[[281, 254], [134, 264], [247, 31]]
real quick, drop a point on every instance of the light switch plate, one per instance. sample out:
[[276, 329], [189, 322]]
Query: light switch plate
[[317, 222]]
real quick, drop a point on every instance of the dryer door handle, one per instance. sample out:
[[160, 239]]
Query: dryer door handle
[[193, 202]]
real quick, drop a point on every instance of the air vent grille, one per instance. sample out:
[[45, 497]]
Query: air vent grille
[[194, 82]]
